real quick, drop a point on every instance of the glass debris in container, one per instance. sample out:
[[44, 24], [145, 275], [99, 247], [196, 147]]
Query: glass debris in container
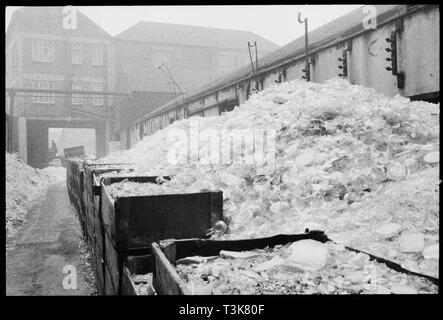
[[273, 271], [143, 284], [347, 159]]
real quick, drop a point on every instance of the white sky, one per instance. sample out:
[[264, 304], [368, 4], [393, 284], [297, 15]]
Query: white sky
[[277, 23]]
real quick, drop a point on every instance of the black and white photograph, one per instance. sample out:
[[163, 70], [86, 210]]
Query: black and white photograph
[[227, 150]]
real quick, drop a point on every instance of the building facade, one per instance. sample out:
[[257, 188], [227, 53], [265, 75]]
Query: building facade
[[57, 48]]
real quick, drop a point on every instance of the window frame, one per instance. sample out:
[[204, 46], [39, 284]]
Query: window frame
[[38, 50], [98, 59], [74, 97], [44, 98]]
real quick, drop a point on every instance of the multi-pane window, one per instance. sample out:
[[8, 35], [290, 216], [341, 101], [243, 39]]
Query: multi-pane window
[[77, 98], [43, 97], [97, 55], [97, 100], [76, 53], [43, 50]]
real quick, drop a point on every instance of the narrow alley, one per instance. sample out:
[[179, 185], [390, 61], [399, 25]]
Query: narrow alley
[[48, 243]]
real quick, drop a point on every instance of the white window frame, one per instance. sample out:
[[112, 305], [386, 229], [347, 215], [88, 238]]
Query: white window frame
[[43, 98], [97, 100], [97, 55], [76, 53], [77, 99], [42, 50]]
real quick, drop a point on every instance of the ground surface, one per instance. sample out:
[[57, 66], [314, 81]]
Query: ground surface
[[49, 241], [25, 186]]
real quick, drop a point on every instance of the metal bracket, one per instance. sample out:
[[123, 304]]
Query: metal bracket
[[393, 59], [344, 64]]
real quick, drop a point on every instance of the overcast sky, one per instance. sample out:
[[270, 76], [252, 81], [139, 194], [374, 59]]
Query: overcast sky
[[277, 23]]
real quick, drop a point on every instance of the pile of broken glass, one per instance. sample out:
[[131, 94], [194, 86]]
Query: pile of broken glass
[[341, 158]]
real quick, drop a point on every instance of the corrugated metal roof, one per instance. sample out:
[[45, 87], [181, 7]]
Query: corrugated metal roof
[[340, 28], [178, 34]]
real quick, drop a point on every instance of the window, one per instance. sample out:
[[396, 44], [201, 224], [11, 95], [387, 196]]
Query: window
[[97, 100], [77, 98], [43, 50], [163, 56], [76, 53], [44, 98], [97, 55]]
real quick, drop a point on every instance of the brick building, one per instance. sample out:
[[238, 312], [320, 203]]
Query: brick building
[[41, 53]]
